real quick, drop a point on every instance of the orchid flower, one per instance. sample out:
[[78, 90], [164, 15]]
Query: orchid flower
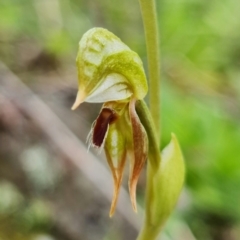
[[109, 72]]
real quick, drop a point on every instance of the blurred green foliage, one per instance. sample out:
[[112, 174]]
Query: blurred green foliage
[[200, 51], [20, 217]]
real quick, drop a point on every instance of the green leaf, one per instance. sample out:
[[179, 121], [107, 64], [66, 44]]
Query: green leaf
[[164, 187]]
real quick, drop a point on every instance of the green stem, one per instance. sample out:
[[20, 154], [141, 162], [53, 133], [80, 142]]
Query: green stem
[[147, 121], [149, 15], [151, 122], [147, 234], [149, 231]]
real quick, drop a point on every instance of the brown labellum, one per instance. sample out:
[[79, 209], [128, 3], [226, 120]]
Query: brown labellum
[[100, 129]]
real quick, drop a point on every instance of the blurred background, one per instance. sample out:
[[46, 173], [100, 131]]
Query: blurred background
[[48, 184]]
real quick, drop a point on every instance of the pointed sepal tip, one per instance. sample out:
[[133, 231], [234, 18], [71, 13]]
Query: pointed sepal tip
[[79, 99]]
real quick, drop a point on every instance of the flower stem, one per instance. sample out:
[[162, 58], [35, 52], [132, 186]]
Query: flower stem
[[147, 234], [149, 15], [149, 231], [147, 121]]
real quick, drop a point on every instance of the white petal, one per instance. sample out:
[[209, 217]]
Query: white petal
[[113, 88]]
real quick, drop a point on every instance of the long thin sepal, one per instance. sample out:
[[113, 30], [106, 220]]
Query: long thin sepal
[[140, 150], [115, 151]]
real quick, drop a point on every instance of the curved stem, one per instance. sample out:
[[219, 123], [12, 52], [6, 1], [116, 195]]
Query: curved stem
[[147, 122], [149, 15], [149, 231]]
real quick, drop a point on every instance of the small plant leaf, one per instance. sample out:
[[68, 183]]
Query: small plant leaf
[[168, 181], [164, 187]]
